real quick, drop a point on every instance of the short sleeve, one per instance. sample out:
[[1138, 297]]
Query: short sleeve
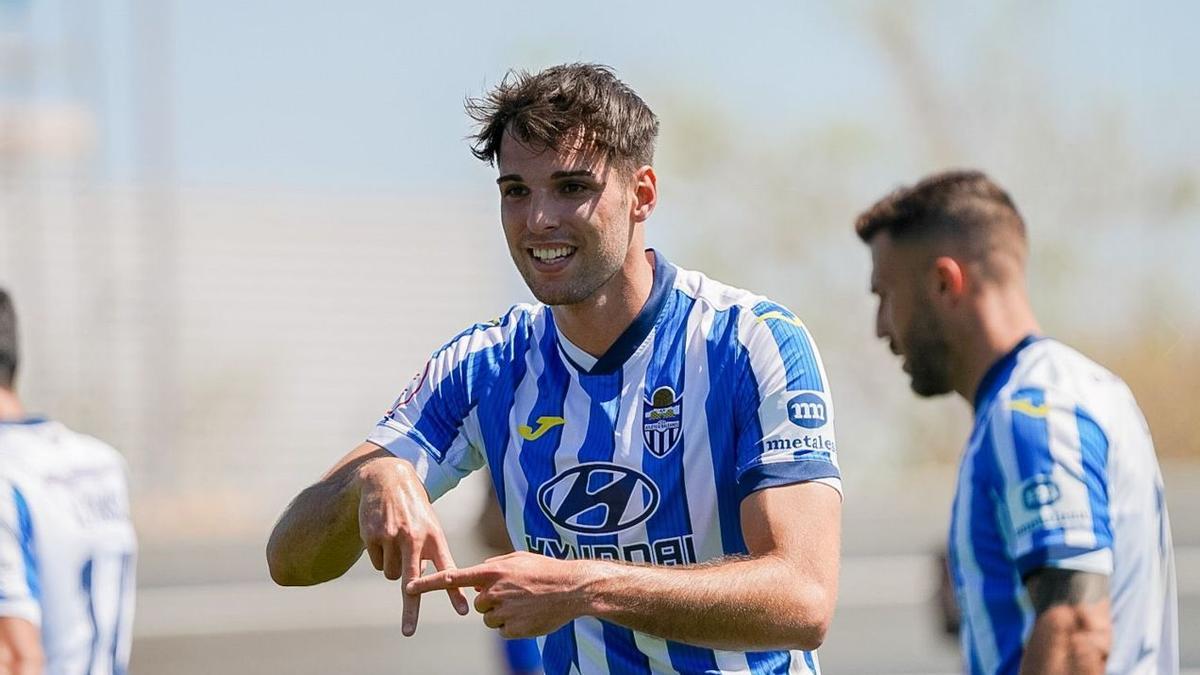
[[783, 409], [20, 588], [1052, 457], [431, 423]]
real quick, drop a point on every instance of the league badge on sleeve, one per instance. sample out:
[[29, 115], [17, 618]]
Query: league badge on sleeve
[[662, 422]]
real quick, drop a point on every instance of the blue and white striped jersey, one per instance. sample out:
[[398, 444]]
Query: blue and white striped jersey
[[67, 545], [1060, 471], [642, 455]]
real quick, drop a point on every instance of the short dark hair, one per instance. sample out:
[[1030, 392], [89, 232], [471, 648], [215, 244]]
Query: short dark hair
[[547, 108], [964, 206], [8, 341]]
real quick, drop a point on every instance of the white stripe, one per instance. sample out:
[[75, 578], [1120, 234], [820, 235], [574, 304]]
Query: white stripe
[[516, 484], [589, 635], [699, 475], [1067, 451]]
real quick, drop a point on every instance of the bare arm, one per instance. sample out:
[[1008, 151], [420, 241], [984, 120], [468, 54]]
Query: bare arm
[[20, 647], [370, 499], [780, 596], [1073, 629]]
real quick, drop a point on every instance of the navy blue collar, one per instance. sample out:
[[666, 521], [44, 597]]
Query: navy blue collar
[[643, 323], [998, 374], [35, 419]]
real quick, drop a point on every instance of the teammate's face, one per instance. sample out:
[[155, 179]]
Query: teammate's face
[[907, 318], [566, 216]]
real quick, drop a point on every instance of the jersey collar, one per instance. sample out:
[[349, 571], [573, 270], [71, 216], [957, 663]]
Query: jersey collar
[[998, 374], [633, 336]]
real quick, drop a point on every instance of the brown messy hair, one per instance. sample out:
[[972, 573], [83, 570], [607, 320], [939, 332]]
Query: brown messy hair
[[963, 208], [551, 107]]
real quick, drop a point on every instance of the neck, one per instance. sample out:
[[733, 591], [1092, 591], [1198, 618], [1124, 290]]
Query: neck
[[1002, 319], [595, 324], [10, 406]]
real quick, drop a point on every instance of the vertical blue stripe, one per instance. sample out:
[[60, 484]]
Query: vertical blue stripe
[[455, 394], [1031, 438], [599, 445], [795, 348], [86, 585], [496, 404], [672, 519], [769, 663], [811, 662], [1093, 445], [726, 358], [1001, 584], [560, 651], [28, 547], [537, 457]]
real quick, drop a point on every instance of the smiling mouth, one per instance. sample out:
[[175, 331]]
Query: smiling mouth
[[550, 255]]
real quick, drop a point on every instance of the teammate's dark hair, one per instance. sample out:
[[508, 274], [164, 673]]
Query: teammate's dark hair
[[8, 341], [965, 206], [545, 109]]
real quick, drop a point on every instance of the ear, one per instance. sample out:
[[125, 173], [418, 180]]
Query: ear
[[948, 279], [645, 194]]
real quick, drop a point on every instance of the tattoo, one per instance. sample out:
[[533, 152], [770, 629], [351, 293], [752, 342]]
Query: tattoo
[[1049, 587]]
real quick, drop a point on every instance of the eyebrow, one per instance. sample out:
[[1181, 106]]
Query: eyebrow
[[578, 173]]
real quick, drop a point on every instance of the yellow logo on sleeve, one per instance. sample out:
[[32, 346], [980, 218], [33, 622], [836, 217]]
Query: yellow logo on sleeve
[[1026, 407], [780, 316], [545, 423]]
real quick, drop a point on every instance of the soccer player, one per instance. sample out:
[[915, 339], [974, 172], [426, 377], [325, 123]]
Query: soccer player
[[1060, 547], [661, 445], [66, 542]]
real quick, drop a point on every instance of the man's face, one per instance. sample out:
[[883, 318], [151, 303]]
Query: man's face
[[907, 318], [566, 216]]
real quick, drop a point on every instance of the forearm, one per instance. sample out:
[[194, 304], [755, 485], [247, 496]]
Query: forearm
[[1063, 643], [740, 604], [317, 538]]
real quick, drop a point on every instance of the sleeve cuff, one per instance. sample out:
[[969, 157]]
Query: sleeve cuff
[[27, 609], [1097, 561], [776, 474]]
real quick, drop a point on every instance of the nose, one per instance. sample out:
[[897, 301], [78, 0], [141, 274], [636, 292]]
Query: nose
[[541, 216], [880, 326]]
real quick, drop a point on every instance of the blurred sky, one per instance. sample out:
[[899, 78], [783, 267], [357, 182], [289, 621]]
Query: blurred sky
[[368, 94]]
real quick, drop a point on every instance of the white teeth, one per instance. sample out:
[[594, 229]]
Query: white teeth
[[551, 254]]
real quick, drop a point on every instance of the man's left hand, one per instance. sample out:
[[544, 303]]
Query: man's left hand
[[520, 594]]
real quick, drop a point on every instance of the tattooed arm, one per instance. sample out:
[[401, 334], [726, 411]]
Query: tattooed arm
[[1073, 629]]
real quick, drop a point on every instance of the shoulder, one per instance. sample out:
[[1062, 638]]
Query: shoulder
[[776, 341], [512, 328], [754, 312], [1051, 376]]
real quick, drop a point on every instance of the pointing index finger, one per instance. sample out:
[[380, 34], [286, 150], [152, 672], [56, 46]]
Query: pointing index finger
[[450, 578]]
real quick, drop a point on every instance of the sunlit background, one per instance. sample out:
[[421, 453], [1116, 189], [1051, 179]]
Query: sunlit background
[[234, 230]]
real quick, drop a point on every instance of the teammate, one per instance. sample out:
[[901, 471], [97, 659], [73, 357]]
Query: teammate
[[66, 542], [661, 445], [1060, 547]]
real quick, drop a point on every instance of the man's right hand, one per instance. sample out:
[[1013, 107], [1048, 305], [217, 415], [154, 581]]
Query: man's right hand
[[400, 530], [372, 499]]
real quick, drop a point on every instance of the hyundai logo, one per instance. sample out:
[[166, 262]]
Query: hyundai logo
[[598, 498], [807, 410]]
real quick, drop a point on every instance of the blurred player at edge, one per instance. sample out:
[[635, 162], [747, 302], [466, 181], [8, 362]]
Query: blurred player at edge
[[1060, 547], [660, 444], [66, 543]]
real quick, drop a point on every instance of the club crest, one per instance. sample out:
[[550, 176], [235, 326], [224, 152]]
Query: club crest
[[662, 421]]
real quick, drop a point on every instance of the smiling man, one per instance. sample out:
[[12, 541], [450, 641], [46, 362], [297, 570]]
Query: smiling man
[[1060, 546], [661, 445]]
